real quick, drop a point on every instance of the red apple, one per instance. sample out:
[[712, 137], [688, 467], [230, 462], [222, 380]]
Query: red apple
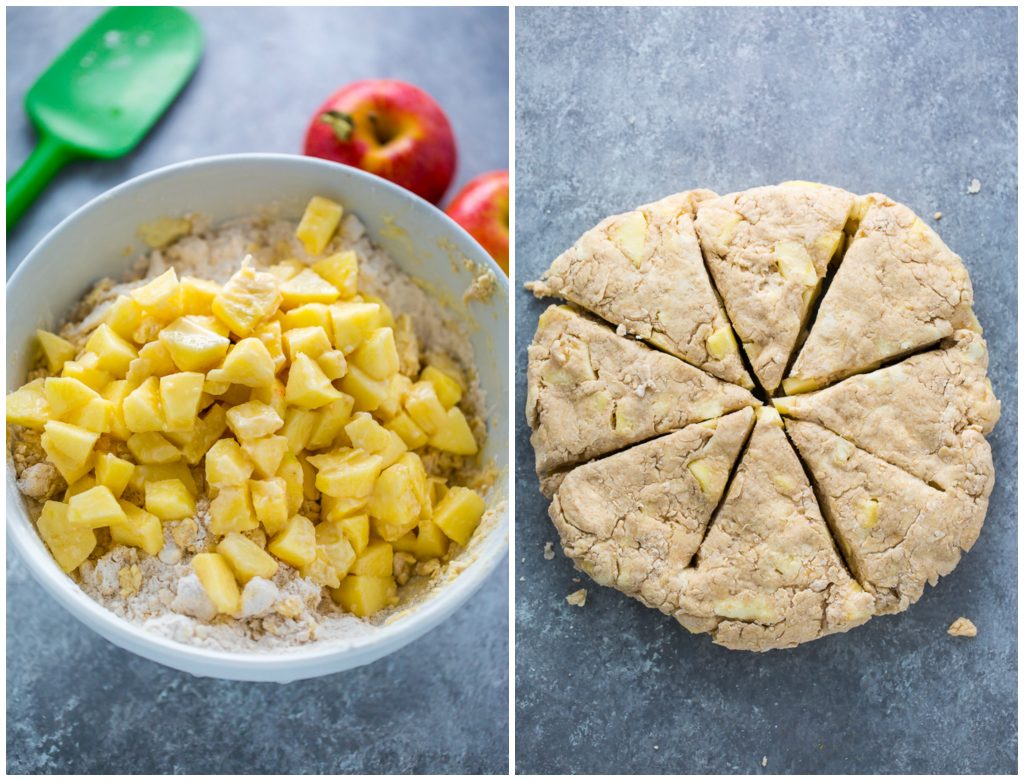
[[481, 207], [389, 128]]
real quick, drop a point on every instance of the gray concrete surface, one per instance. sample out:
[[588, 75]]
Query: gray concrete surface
[[619, 107], [76, 704]]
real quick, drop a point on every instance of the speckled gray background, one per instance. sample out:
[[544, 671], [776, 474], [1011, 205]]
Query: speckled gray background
[[620, 107], [75, 703]]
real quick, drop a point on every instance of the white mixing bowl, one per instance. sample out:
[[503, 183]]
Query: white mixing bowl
[[91, 243]]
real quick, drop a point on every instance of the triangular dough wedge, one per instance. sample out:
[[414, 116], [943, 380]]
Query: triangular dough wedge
[[768, 249], [630, 518], [896, 531], [643, 271], [768, 574], [927, 414], [898, 289], [591, 391]]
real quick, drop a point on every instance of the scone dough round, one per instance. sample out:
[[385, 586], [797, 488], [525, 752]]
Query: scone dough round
[[856, 472]]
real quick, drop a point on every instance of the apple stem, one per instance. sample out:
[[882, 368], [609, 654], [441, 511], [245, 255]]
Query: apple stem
[[341, 123]]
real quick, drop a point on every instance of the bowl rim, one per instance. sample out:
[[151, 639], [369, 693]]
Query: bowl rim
[[390, 636]]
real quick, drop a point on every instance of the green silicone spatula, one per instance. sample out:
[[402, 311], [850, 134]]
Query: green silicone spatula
[[104, 93]]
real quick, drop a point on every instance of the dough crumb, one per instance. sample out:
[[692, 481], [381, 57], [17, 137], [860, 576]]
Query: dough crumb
[[620, 329], [764, 761], [549, 550], [937, 216], [577, 598], [963, 627], [974, 187]]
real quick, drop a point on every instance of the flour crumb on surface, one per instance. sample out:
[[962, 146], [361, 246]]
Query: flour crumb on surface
[[764, 761], [963, 627], [577, 598], [974, 187], [937, 216], [549, 550], [620, 329]]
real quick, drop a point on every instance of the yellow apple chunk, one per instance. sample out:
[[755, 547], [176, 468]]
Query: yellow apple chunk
[[140, 529], [95, 508], [246, 559], [296, 543], [70, 545], [364, 595], [459, 513], [218, 582], [169, 500], [318, 224]]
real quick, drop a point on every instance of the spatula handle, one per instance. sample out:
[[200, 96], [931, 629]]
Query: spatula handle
[[35, 173]]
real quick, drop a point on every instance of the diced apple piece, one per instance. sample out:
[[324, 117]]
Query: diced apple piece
[[364, 595], [253, 419], [377, 356], [318, 224], [197, 295], [455, 436], [356, 529], [218, 582], [346, 473], [307, 287], [291, 472], [246, 559], [193, 346], [113, 472], [307, 316], [55, 350], [722, 343], [205, 433], [152, 473], [334, 556], [154, 360], [446, 387], [247, 299], [311, 340], [96, 415], [711, 480], [115, 393], [367, 434], [459, 513], [308, 386], [169, 500], [367, 392], [265, 454], [247, 363], [869, 513], [296, 543], [227, 464], [794, 262], [95, 508], [273, 396], [179, 397], [431, 542], [352, 323], [425, 408], [64, 394], [142, 409], [115, 353], [287, 268], [376, 559], [394, 505], [231, 510], [341, 270], [794, 385], [87, 370], [124, 316], [140, 529], [28, 406], [160, 297], [270, 503], [298, 427], [70, 545], [330, 422], [412, 435], [333, 364], [74, 442], [629, 232], [80, 485], [152, 448], [270, 334]]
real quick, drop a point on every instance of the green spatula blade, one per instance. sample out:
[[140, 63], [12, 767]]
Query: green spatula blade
[[105, 91]]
